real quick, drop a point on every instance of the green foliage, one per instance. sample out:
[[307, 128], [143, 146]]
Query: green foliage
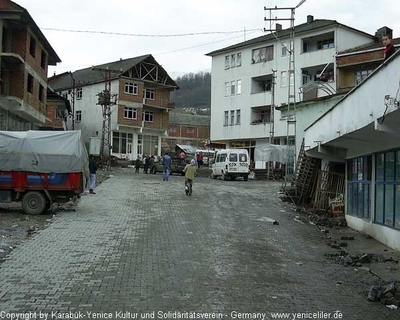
[[194, 92]]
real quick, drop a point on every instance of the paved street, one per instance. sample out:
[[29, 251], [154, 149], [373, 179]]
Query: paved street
[[140, 245]]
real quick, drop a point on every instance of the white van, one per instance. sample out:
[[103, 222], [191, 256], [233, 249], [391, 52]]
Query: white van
[[231, 163]]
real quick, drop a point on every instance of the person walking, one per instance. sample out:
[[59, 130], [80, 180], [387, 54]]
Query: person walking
[[190, 171], [92, 174], [166, 162]]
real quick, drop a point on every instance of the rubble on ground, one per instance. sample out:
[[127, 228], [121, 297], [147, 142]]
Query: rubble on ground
[[358, 260], [387, 293]]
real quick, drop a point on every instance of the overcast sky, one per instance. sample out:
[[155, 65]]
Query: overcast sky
[[183, 54]]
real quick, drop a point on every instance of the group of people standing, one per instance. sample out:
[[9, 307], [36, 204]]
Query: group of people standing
[[147, 162]]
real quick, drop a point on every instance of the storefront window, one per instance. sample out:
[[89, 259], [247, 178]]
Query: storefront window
[[358, 187], [387, 186]]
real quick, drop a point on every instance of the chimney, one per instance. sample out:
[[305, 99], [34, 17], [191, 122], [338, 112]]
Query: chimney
[[278, 27], [384, 31], [310, 19]]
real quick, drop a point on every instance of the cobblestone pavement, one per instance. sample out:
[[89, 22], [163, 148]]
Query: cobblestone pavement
[[141, 245]]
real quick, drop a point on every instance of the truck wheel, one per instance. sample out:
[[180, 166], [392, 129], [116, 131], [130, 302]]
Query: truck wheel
[[245, 178], [33, 203], [212, 176]]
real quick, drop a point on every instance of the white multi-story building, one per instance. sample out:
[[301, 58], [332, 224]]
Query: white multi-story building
[[242, 80]]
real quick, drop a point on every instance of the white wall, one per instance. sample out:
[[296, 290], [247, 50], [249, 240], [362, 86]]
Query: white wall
[[92, 114], [307, 113], [358, 109], [344, 39]]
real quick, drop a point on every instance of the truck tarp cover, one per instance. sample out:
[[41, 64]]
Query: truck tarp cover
[[43, 151], [272, 152]]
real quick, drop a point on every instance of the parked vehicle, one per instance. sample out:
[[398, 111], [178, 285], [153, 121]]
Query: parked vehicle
[[42, 167], [231, 163], [177, 166]]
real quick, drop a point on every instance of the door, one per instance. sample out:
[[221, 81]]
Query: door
[[129, 150]]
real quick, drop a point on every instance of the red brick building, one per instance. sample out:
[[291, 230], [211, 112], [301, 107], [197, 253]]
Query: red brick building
[[140, 117], [24, 59], [188, 129]]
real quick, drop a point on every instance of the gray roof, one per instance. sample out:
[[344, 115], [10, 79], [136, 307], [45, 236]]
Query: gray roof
[[88, 76], [285, 33], [179, 117]]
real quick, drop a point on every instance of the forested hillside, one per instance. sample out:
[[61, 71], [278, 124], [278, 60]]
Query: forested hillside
[[194, 92]]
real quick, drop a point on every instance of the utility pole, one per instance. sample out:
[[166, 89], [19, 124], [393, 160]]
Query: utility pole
[[291, 97], [106, 99], [73, 100], [272, 117]]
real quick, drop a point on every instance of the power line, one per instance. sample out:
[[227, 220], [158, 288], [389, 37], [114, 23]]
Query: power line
[[204, 44], [161, 53], [147, 35]]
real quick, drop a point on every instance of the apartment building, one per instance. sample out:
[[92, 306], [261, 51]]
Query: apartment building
[[242, 80], [24, 58], [140, 118]]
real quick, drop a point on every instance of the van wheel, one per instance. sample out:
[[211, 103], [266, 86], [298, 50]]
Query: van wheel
[[223, 176], [33, 203], [245, 178]]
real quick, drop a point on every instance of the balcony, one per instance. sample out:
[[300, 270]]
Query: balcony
[[19, 107]]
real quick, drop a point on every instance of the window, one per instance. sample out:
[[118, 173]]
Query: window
[[232, 117], [60, 112], [233, 59], [130, 113], [227, 89], [326, 44], [32, 46], [78, 116], [361, 75], [284, 50], [262, 54], [79, 93], [41, 93], [239, 87], [237, 117], [387, 186], [173, 129], [43, 60], [305, 46], [265, 116], [233, 87], [30, 83], [227, 63], [233, 157], [226, 115], [238, 59], [359, 173], [189, 130], [131, 88], [150, 94], [148, 116], [242, 157], [284, 79]]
